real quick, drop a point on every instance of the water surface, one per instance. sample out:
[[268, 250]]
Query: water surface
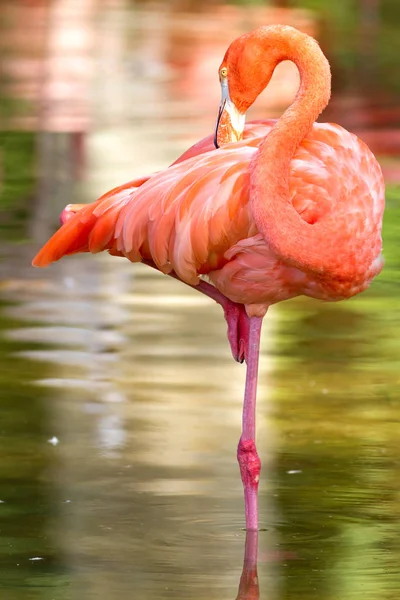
[[120, 416]]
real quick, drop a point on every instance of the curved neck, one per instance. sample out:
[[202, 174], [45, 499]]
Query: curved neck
[[313, 94], [297, 242]]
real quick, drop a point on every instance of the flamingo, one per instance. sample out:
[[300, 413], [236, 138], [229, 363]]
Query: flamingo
[[264, 212]]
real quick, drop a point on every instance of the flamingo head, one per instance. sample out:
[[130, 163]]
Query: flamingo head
[[244, 73]]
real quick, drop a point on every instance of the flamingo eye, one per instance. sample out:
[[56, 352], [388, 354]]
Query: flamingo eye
[[223, 72]]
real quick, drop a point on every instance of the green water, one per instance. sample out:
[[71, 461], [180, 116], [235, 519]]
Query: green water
[[141, 496]]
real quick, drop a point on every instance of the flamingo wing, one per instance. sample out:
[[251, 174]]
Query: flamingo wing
[[90, 227], [184, 218]]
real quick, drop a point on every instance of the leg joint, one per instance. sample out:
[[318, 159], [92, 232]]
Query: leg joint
[[249, 463]]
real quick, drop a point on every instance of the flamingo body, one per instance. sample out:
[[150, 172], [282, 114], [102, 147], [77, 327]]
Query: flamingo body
[[195, 218], [281, 208]]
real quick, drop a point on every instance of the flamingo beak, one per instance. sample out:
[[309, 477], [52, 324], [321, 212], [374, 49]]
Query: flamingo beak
[[230, 122]]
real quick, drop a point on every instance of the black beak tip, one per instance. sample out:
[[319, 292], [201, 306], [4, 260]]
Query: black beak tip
[[220, 111]]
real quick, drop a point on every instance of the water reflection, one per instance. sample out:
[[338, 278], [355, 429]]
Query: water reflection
[[249, 588]]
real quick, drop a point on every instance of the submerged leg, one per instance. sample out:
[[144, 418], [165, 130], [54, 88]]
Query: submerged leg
[[249, 462]]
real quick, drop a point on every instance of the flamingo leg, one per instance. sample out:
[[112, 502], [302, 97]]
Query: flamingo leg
[[249, 462], [236, 318], [234, 313]]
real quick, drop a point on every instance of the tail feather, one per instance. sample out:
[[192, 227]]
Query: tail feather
[[71, 238], [90, 229]]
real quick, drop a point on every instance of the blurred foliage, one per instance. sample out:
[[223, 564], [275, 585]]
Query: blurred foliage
[[352, 43], [18, 148], [388, 280], [362, 46], [17, 179], [17, 159]]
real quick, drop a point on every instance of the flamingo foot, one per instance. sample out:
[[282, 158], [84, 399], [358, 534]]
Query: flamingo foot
[[235, 314], [238, 329], [236, 318]]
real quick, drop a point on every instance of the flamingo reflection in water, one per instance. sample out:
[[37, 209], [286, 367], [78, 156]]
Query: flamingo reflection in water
[[248, 587]]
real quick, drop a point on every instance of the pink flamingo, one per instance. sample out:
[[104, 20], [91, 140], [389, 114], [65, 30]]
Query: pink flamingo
[[295, 207]]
